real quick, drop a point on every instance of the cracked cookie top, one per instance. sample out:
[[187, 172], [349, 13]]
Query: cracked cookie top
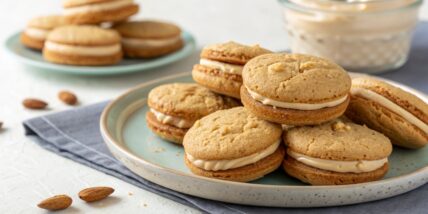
[[230, 134], [187, 100], [339, 139], [296, 78], [232, 52]]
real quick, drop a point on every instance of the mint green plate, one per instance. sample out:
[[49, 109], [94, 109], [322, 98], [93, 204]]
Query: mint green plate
[[125, 131], [35, 59]]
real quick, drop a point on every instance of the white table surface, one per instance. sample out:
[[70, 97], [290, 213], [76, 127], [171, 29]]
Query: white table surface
[[29, 173]]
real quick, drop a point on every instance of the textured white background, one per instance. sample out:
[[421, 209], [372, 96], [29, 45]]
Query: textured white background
[[28, 173]]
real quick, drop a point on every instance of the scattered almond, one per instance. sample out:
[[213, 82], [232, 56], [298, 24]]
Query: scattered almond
[[67, 97], [31, 103], [58, 202], [95, 193]]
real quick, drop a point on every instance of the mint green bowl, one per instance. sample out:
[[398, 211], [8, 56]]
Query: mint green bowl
[[33, 58], [125, 132]]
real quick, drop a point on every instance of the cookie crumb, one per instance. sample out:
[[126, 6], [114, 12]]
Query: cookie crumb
[[130, 193], [277, 67], [340, 126], [159, 150], [145, 205]]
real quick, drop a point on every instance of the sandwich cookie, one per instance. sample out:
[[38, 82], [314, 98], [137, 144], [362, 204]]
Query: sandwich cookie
[[295, 89], [98, 11], [233, 145], [175, 107], [38, 28], [148, 39], [337, 152], [398, 114], [83, 45], [220, 66]]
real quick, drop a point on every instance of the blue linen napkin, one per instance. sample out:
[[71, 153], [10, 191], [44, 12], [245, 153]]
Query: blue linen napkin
[[74, 134]]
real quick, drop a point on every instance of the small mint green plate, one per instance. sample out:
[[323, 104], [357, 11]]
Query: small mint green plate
[[35, 59], [124, 130]]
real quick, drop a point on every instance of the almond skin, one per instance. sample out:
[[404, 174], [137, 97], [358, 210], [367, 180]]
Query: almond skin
[[95, 193], [67, 97], [31, 103], [58, 202]]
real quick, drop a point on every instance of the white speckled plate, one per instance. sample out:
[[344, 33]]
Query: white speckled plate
[[35, 59], [124, 130]]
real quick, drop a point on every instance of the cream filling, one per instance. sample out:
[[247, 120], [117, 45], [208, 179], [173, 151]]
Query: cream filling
[[224, 67], [298, 106], [360, 166], [171, 120], [134, 42], [371, 95], [216, 165], [98, 7], [83, 50], [36, 33]]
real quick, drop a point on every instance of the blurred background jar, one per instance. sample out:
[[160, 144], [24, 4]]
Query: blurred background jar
[[370, 36]]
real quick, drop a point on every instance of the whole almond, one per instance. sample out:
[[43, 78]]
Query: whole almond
[[67, 97], [32, 103], [58, 202], [95, 193]]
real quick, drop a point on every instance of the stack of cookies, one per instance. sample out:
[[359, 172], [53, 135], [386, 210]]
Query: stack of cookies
[[77, 37], [293, 115]]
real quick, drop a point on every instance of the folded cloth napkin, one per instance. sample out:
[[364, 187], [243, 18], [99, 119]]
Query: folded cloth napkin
[[75, 134]]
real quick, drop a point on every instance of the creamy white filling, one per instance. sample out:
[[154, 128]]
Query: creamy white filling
[[37, 33], [171, 120], [339, 166], [224, 67], [83, 50], [98, 7], [298, 106], [138, 42], [371, 95], [216, 165]]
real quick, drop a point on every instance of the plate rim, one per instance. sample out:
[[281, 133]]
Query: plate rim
[[127, 152], [187, 50]]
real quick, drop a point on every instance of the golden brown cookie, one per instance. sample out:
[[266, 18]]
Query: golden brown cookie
[[98, 11], [148, 39], [233, 145], [221, 65], [295, 89], [38, 28], [336, 152], [398, 114], [175, 107], [83, 45]]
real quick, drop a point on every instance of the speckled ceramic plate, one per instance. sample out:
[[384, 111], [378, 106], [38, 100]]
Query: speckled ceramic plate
[[35, 59], [125, 131]]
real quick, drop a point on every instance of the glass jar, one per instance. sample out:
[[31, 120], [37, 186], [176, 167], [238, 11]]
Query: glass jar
[[370, 36]]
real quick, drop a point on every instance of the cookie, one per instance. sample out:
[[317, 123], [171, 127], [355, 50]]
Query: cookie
[[148, 39], [221, 65], [175, 107], [98, 11], [398, 114], [335, 153], [83, 45], [38, 28], [295, 89], [233, 145]]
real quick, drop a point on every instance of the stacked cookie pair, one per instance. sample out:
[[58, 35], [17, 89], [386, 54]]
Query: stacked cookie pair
[[78, 38]]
